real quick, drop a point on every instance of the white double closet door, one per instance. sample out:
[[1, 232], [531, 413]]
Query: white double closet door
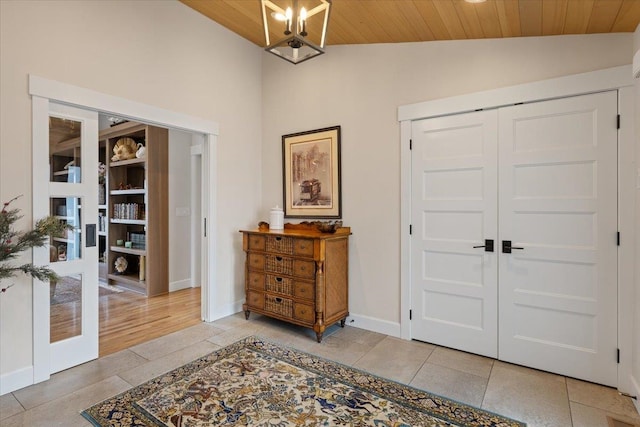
[[541, 179]]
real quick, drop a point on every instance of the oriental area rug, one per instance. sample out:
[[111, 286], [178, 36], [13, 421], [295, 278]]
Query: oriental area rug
[[257, 383]]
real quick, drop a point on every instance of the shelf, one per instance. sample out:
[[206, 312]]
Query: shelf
[[127, 192], [128, 162], [128, 221], [131, 251], [63, 240], [129, 281], [102, 206], [102, 233]]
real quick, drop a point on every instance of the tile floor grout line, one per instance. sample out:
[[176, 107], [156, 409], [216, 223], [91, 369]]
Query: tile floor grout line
[[484, 395]]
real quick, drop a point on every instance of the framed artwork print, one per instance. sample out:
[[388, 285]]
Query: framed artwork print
[[311, 174]]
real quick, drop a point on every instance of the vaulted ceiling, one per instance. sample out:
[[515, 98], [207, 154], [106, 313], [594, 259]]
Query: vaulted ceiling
[[396, 21]]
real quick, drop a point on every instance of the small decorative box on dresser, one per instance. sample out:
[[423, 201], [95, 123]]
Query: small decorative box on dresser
[[299, 275]]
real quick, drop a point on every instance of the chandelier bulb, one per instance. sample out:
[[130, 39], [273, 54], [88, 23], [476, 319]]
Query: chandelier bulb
[[288, 16], [303, 22]]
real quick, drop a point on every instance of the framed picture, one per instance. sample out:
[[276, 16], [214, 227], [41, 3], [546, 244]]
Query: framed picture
[[311, 174]]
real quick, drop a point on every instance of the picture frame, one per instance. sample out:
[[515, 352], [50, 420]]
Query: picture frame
[[311, 173]]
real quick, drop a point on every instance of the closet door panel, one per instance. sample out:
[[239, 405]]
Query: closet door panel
[[454, 208], [558, 198]]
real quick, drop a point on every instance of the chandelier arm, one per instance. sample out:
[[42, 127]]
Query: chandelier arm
[[317, 9], [325, 25], [264, 22]]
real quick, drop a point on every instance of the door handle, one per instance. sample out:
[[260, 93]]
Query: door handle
[[488, 245], [506, 247]]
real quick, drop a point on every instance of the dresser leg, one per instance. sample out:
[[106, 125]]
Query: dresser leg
[[246, 314], [319, 336]]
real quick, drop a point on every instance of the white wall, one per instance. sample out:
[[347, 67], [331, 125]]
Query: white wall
[[360, 88], [161, 53]]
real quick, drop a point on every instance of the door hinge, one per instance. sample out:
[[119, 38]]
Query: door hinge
[[618, 355], [205, 227], [618, 121], [410, 314], [410, 229], [411, 144], [618, 241]]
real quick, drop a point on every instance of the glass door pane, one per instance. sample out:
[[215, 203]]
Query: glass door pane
[[65, 149], [69, 246], [66, 307]]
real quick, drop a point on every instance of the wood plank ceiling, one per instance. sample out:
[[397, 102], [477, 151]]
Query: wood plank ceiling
[[397, 21]]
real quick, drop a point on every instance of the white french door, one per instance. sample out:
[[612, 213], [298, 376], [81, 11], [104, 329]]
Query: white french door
[[454, 210], [546, 297], [65, 160]]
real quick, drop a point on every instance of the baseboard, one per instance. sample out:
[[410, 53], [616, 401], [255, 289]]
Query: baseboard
[[16, 380], [180, 284], [227, 310], [374, 324]]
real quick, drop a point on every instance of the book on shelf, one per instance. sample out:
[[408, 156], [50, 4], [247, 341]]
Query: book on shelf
[[134, 211]]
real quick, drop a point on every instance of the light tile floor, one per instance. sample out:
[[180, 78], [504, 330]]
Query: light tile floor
[[537, 398]]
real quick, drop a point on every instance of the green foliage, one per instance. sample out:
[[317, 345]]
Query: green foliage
[[13, 242]]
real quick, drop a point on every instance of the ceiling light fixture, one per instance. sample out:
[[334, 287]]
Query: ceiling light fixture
[[295, 47]]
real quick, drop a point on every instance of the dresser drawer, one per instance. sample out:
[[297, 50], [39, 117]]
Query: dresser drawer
[[287, 246], [304, 290], [285, 285], [278, 305], [304, 269], [279, 284], [255, 300], [304, 312], [256, 280], [256, 261], [303, 247], [256, 242]]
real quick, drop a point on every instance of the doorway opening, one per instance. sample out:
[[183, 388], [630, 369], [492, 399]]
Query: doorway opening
[[46, 94], [127, 317]]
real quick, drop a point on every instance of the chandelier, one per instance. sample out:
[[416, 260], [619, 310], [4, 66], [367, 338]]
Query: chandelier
[[295, 47]]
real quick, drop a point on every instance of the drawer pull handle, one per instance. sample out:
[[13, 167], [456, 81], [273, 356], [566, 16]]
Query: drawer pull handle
[[278, 279], [279, 258], [278, 300], [278, 238], [303, 268]]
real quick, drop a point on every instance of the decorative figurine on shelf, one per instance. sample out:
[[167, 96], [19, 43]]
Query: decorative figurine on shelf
[[142, 150], [124, 149], [121, 265], [62, 253]]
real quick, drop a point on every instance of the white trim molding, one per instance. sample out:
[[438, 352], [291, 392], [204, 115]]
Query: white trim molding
[[616, 78], [561, 87], [108, 104], [16, 380], [374, 324]]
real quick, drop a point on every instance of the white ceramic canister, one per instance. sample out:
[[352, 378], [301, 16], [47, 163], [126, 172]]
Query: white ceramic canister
[[276, 220]]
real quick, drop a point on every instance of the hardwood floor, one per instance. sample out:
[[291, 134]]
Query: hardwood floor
[[127, 319]]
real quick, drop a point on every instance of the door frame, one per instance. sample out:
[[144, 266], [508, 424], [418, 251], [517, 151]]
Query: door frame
[[616, 78], [43, 91]]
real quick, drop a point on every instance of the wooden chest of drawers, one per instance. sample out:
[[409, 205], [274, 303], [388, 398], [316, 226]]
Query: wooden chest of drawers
[[298, 275]]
